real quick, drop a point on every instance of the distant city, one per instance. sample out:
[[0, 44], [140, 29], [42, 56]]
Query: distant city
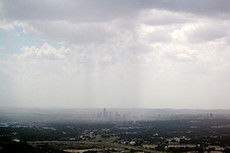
[[114, 130], [110, 114]]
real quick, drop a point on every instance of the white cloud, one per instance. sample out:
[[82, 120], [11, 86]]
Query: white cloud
[[45, 52], [6, 26], [154, 34], [184, 57]]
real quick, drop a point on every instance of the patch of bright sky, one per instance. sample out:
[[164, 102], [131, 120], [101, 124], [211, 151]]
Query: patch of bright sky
[[11, 42], [175, 28]]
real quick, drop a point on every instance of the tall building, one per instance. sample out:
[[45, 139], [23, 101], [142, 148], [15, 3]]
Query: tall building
[[105, 114]]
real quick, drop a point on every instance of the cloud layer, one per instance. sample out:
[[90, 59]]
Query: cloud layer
[[118, 53]]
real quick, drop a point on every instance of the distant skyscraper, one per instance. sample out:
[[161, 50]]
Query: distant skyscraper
[[104, 113], [211, 115]]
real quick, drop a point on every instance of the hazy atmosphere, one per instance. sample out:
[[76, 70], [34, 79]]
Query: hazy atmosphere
[[115, 54]]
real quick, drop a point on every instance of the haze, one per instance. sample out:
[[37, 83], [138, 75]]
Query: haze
[[115, 54]]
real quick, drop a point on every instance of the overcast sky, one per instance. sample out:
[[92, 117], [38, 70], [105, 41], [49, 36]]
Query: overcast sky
[[115, 53]]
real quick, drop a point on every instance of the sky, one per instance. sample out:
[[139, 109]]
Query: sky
[[115, 54]]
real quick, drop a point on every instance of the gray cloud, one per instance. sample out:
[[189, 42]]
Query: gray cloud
[[86, 10], [163, 17], [83, 21], [208, 32], [72, 33]]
